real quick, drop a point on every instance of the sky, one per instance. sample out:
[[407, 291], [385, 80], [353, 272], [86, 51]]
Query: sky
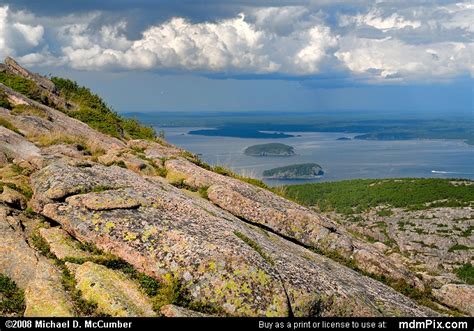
[[241, 55]]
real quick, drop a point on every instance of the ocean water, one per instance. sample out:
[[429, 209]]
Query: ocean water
[[339, 159]]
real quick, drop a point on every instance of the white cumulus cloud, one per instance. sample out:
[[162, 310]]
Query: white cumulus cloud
[[17, 37], [376, 19], [234, 44], [377, 42], [393, 59]]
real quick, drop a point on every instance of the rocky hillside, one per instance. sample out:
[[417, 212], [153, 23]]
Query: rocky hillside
[[95, 222]]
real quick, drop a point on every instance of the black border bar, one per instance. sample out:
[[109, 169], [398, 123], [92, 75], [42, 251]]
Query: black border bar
[[245, 324]]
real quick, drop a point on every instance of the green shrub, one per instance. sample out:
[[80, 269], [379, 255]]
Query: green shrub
[[466, 273], [229, 173], [41, 245], [120, 163], [12, 299], [93, 111], [24, 86], [136, 130], [468, 231], [223, 171], [458, 247]]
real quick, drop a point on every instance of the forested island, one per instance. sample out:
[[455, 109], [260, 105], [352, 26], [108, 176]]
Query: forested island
[[239, 132], [295, 171], [271, 149]]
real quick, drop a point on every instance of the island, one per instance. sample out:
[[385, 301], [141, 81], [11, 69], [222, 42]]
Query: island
[[238, 132], [387, 136], [271, 149], [295, 171]]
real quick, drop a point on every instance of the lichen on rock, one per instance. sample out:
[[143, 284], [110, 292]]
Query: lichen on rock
[[111, 290]]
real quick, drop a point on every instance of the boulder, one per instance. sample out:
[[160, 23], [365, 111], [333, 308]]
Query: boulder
[[14, 68], [158, 150], [111, 290], [13, 198], [459, 296], [17, 259], [16, 146], [55, 123], [45, 296], [62, 245]]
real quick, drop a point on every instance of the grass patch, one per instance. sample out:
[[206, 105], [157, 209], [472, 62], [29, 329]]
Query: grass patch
[[229, 173], [160, 171], [29, 110], [422, 243], [25, 190], [223, 171], [102, 188], [41, 245], [384, 212], [468, 232], [12, 299], [57, 138], [7, 124], [29, 212], [119, 163], [4, 102], [254, 246], [466, 273], [203, 192], [168, 292]]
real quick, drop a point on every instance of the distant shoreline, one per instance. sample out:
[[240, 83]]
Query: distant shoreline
[[277, 125], [217, 132]]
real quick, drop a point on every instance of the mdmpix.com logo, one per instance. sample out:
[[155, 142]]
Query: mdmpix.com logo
[[433, 324]]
